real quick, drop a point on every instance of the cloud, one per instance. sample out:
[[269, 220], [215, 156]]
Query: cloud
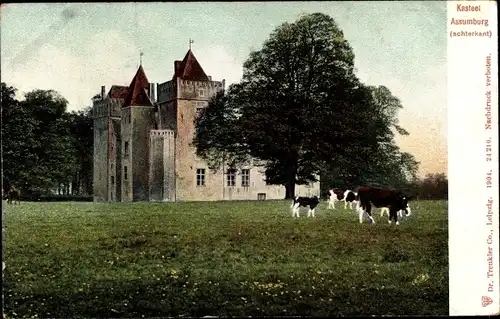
[[31, 48], [106, 59], [219, 64], [68, 14]]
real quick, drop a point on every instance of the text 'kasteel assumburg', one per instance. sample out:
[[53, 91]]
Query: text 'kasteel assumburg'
[[460, 21]]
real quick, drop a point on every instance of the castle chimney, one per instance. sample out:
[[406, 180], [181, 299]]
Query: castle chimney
[[103, 91], [177, 65], [152, 92], [223, 84]]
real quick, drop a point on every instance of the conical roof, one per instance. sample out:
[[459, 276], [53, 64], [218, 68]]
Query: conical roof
[[189, 69], [138, 90]]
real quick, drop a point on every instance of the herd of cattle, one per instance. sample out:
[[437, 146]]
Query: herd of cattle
[[393, 202]]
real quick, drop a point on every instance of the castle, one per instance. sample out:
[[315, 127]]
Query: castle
[[142, 144]]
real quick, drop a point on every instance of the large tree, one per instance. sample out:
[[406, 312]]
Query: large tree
[[381, 163], [55, 163], [299, 108], [18, 139], [38, 149]]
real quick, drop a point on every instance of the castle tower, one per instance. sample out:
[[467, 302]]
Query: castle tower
[[106, 117], [138, 119], [179, 102]]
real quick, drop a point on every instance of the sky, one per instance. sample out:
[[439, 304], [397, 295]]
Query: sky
[[74, 49]]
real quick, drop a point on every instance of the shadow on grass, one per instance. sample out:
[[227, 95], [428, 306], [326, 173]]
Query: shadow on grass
[[174, 298]]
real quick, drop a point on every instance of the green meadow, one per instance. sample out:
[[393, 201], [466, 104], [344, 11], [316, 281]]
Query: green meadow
[[81, 260]]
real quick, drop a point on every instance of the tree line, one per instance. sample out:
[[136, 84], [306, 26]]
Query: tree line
[[302, 112], [433, 186], [45, 148]]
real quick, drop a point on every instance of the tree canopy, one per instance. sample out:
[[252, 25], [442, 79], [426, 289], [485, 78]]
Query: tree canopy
[[44, 146], [301, 111]]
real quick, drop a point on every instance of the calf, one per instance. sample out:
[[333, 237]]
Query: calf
[[349, 197], [336, 195], [298, 201], [13, 195], [393, 200]]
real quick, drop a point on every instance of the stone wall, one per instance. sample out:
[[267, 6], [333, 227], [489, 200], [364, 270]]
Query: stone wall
[[162, 169], [258, 188], [192, 95], [100, 154], [167, 91], [143, 121]]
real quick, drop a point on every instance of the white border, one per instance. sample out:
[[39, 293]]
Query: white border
[[467, 166]]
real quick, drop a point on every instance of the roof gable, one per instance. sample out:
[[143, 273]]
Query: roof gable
[[189, 69], [118, 92], [138, 90]]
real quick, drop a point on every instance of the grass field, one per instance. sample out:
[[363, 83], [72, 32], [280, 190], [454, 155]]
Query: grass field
[[79, 260]]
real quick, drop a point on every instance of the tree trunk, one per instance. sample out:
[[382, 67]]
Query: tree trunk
[[290, 189], [290, 181]]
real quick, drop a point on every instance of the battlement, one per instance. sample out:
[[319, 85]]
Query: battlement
[[107, 107], [168, 133], [99, 108], [210, 85], [188, 89], [167, 91]]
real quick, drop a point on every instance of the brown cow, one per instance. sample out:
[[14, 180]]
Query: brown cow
[[393, 200], [13, 195]]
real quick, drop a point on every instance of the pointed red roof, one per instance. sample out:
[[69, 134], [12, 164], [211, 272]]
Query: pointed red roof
[[118, 92], [189, 69], [138, 90]]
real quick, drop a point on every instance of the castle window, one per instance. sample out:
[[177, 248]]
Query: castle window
[[112, 180], [201, 92], [126, 149], [231, 177], [125, 173], [245, 178], [129, 117], [200, 177]]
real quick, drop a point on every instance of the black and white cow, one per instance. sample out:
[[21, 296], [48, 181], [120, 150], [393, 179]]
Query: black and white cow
[[349, 198], [299, 201], [395, 201], [338, 195], [335, 195]]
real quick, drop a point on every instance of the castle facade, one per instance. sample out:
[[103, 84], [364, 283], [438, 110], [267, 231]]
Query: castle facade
[[142, 144]]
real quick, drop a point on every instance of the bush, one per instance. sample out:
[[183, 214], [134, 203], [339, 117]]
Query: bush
[[58, 198]]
